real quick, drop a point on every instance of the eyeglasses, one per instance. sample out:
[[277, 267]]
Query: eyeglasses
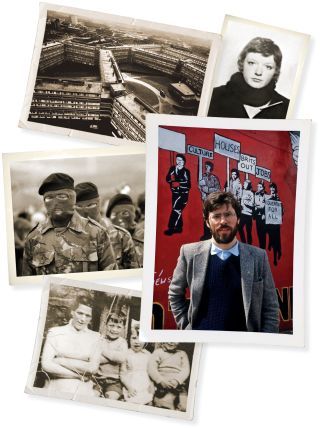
[[59, 196], [218, 217]]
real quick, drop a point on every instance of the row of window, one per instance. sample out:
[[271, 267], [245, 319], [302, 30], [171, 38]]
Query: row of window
[[127, 113]]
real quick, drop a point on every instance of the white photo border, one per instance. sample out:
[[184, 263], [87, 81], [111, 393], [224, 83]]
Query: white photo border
[[146, 332], [119, 290], [43, 10], [9, 158], [229, 19]]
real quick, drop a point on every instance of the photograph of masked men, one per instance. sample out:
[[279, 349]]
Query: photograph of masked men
[[65, 242], [122, 212], [88, 205], [180, 183], [71, 353], [251, 92], [260, 213], [231, 284]]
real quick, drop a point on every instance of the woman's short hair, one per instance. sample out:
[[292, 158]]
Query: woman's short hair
[[265, 47], [208, 163]]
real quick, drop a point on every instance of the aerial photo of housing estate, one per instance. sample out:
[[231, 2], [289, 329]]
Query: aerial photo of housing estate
[[105, 76]]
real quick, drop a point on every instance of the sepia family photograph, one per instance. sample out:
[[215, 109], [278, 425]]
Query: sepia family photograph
[[75, 212], [88, 350]]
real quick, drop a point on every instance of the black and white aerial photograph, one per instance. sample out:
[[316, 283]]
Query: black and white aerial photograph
[[103, 75], [88, 349], [80, 212]]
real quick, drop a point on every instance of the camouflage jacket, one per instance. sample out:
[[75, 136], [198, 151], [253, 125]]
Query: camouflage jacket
[[123, 246], [138, 240], [82, 246]]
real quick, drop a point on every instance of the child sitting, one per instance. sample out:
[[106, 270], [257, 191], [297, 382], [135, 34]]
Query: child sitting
[[114, 351], [169, 368], [138, 387]]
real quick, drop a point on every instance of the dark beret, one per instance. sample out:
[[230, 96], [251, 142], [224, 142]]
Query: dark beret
[[86, 191], [118, 199], [56, 181]]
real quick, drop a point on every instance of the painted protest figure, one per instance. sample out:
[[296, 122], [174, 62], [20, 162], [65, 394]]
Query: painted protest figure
[[209, 183], [234, 186], [259, 213], [273, 229], [180, 183], [247, 205]]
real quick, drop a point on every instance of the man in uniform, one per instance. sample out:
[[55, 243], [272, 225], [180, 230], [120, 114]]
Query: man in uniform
[[88, 206], [65, 242], [121, 212]]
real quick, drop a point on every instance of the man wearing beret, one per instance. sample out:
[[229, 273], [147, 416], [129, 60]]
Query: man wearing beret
[[65, 242], [88, 205], [121, 212]]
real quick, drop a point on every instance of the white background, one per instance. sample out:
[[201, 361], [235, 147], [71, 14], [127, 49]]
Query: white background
[[243, 386]]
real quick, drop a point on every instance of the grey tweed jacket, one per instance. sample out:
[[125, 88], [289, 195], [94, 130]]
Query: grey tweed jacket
[[258, 290]]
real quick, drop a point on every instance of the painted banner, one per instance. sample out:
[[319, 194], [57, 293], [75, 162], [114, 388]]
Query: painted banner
[[273, 212]]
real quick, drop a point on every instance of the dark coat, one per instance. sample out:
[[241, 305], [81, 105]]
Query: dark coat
[[225, 103]]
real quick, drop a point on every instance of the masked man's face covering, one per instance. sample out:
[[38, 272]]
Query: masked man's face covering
[[90, 208], [60, 206]]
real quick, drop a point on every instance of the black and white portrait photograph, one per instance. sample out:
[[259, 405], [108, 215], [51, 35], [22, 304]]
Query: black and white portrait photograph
[[258, 71], [101, 74], [88, 349], [76, 212]]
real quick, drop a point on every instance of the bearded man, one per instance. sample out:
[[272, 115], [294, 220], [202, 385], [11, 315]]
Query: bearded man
[[65, 242], [231, 284]]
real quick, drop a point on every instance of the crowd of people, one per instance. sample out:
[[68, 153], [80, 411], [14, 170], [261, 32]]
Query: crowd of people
[[76, 359], [75, 235]]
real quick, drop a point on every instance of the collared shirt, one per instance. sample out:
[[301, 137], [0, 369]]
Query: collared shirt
[[224, 254]]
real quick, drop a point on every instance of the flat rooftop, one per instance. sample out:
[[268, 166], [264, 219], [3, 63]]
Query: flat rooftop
[[135, 107], [183, 88], [69, 86]]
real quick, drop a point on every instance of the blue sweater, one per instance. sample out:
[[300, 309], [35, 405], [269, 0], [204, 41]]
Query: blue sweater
[[221, 306]]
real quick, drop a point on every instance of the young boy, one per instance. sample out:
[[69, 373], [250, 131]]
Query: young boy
[[169, 368], [137, 385], [114, 352]]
